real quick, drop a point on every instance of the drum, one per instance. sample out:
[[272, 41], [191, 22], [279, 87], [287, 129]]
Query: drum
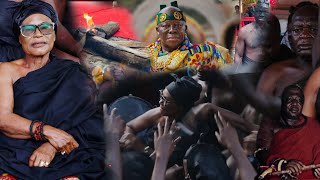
[[130, 107]]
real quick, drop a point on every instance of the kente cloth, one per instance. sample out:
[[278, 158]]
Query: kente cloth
[[302, 144], [10, 48], [61, 95], [207, 55]]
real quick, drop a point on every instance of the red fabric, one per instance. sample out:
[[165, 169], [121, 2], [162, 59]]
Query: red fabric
[[102, 13], [6, 176], [301, 144]]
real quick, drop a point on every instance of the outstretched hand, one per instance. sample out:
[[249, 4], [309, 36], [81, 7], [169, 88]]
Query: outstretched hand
[[227, 134], [114, 124], [164, 141]]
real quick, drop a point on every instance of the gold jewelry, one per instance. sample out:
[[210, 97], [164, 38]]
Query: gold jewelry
[[163, 17], [177, 15], [170, 63]]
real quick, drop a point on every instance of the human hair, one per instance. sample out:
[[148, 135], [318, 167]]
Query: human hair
[[205, 161], [136, 165], [295, 8]]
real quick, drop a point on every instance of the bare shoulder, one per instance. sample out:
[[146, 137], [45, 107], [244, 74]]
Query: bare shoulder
[[202, 108], [11, 69], [315, 75], [277, 69]]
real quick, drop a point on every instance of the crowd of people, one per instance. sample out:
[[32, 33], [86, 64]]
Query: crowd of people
[[254, 116]]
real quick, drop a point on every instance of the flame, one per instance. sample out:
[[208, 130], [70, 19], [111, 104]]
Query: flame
[[89, 20]]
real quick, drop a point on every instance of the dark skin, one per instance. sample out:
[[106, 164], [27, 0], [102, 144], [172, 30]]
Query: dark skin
[[279, 75], [171, 32], [254, 40]]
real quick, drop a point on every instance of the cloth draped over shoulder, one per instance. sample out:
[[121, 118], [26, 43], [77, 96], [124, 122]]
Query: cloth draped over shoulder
[[301, 144], [206, 55], [61, 95]]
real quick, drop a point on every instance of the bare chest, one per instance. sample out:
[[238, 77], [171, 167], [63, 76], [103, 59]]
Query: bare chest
[[256, 38]]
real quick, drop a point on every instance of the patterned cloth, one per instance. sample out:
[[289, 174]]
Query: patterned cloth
[[207, 55]]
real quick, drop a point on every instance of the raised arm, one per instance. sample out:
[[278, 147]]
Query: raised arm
[[64, 41], [267, 104], [316, 47], [228, 136], [240, 47]]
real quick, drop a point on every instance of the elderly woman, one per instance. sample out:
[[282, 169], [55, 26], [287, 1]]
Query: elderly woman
[[49, 128]]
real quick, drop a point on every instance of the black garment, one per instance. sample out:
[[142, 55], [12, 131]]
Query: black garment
[[10, 48], [61, 95]]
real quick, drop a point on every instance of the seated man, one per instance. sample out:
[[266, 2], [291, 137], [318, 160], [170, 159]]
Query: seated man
[[173, 49], [49, 128], [295, 143]]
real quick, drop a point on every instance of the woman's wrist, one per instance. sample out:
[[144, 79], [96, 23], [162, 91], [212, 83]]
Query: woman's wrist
[[46, 131]]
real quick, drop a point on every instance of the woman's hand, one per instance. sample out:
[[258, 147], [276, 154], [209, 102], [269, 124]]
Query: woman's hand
[[60, 139], [42, 156]]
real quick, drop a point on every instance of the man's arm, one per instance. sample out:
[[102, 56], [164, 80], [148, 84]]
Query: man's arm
[[240, 47], [64, 41], [316, 47], [310, 94], [268, 105], [144, 121]]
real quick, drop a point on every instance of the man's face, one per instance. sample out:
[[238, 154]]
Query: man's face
[[294, 105], [261, 15], [171, 33], [303, 30]]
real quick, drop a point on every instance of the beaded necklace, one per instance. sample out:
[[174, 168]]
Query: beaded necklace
[[155, 51]]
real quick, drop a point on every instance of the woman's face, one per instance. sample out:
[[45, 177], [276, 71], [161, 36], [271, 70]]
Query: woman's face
[[37, 44], [168, 105]]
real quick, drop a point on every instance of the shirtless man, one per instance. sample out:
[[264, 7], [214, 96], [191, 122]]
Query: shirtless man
[[302, 30], [254, 38]]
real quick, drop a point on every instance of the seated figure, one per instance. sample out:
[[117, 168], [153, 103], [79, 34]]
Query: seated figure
[[49, 128]]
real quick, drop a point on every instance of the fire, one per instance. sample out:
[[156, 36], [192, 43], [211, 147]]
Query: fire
[[90, 23]]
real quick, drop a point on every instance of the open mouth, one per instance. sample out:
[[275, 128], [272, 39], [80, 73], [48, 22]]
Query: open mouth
[[305, 47]]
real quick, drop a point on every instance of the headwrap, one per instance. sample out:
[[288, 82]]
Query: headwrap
[[185, 91], [29, 7], [176, 15]]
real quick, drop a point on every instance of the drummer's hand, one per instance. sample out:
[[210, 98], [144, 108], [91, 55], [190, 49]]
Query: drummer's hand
[[295, 167], [60, 139], [316, 172], [130, 141]]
